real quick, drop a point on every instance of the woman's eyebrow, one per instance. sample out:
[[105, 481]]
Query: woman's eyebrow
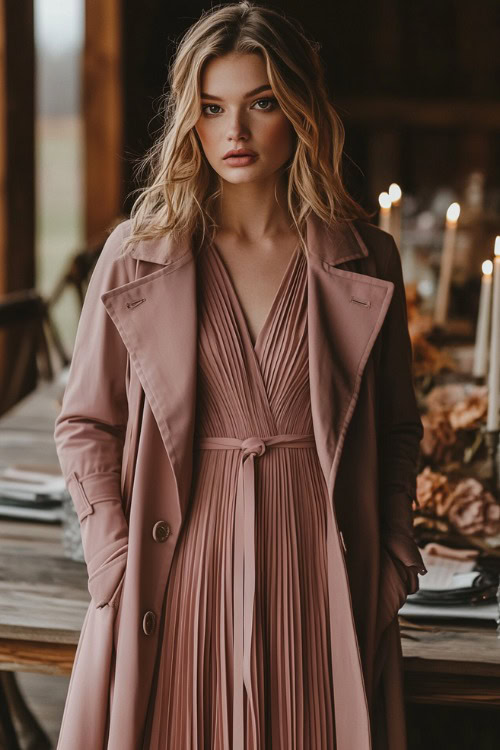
[[265, 87]]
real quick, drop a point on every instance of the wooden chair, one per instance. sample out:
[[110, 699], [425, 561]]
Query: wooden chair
[[30, 736], [80, 267], [25, 330], [28, 335], [78, 273]]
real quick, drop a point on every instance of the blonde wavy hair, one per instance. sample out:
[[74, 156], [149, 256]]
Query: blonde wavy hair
[[181, 187]]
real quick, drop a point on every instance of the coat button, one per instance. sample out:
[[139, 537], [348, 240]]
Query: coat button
[[148, 622], [161, 531]]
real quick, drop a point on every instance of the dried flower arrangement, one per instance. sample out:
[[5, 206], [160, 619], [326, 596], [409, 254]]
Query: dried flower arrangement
[[453, 500], [452, 424]]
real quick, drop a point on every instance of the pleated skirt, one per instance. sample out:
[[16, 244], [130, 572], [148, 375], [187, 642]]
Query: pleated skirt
[[248, 390]]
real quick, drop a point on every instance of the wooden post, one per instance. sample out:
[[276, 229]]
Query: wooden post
[[17, 146], [103, 115], [17, 169], [3, 158]]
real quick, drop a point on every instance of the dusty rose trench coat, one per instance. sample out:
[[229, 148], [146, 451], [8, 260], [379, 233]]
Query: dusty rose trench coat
[[124, 441]]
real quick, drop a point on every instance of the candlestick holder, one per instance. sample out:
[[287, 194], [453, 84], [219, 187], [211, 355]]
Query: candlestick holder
[[497, 619], [492, 442]]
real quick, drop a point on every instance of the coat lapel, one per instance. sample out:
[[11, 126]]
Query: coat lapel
[[156, 316], [345, 314]]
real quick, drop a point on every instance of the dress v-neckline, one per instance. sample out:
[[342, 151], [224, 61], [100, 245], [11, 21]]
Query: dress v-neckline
[[256, 347]]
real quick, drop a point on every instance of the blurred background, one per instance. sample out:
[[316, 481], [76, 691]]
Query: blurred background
[[416, 86]]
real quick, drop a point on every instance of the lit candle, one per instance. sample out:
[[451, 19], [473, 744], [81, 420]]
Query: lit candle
[[384, 217], [396, 194], [443, 290], [483, 322], [492, 422]]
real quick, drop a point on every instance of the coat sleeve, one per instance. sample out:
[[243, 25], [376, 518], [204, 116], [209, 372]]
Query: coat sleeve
[[90, 428], [400, 432]]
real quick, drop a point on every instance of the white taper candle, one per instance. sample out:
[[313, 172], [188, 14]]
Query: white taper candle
[[384, 217], [396, 196], [443, 290], [483, 323], [492, 422]]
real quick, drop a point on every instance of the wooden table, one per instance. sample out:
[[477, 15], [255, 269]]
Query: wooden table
[[451, 663], [43, 599], [44, 596], [43, 593]]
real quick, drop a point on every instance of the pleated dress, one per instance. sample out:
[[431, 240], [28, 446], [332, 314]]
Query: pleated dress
[[244, 653]]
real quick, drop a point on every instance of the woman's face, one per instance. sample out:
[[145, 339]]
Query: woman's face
[[239, 111]]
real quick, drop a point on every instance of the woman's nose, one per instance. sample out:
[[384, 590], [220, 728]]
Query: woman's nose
[[237, 128]]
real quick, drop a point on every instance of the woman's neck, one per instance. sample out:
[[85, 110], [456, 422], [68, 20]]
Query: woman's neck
[[251, 214]]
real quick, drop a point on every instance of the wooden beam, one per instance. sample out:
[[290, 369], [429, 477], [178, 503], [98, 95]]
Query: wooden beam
[[442, 113], [103, 115]]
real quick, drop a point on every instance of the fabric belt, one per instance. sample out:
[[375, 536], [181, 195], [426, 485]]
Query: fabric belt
[[244, 562]]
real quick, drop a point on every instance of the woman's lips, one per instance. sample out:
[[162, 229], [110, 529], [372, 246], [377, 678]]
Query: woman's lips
[[240, 161]]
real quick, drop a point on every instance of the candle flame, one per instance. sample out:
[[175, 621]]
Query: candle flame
[[395, 192], [453, 212], [497, 245], [487, 267], [385, 200]]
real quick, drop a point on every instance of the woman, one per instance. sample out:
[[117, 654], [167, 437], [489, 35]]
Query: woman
[[239, 432]]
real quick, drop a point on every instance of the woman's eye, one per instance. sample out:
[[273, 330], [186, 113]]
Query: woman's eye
[[203, 109], [271, 100]]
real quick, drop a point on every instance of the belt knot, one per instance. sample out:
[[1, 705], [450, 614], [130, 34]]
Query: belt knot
[[253, 446]]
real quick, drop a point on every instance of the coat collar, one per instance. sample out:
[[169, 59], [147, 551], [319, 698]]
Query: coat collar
[[333, 244]]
